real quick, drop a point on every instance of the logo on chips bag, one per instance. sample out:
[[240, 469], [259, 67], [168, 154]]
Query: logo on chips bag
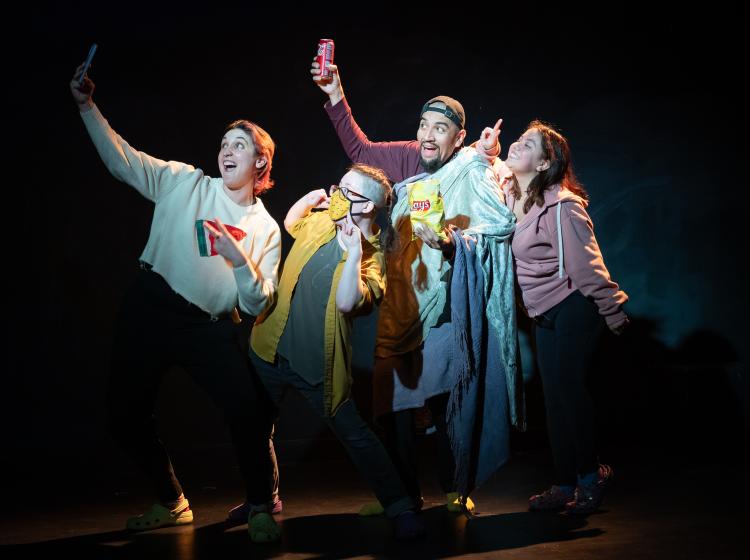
[[420, 205], [426, 206]]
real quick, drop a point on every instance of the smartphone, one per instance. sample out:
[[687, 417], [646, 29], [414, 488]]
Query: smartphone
[[86, 64]]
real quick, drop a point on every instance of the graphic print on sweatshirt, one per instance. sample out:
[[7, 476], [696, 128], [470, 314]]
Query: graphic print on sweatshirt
[[206, 240]]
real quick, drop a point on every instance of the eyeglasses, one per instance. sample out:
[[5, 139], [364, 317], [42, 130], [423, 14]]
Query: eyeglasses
[[346, 192]]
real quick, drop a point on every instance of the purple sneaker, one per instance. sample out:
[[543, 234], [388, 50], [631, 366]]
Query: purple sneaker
[[589, 498], [238, 514], [553, 499]]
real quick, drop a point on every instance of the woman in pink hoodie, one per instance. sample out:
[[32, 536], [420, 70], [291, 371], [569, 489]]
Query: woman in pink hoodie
[[568, 292]]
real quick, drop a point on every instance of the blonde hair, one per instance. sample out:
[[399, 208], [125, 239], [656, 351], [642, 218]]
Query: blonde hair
[[376, 179]]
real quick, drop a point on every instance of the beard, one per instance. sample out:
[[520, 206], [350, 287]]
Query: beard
[[432, 165]]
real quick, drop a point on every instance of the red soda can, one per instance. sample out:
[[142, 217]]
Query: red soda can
[[325, 57]]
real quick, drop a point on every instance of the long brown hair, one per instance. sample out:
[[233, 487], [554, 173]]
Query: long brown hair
[[264, 146], [556, 150]]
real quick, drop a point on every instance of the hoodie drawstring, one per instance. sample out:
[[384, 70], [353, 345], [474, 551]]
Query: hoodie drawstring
[[561, 252]]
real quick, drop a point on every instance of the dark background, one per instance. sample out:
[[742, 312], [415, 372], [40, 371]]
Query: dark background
[[652, 106]]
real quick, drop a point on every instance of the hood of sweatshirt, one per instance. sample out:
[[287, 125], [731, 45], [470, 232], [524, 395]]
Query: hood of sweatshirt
[[554, 197], [556, 194]]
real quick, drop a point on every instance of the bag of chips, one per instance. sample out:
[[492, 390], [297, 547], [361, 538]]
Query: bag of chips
[[426, 207]]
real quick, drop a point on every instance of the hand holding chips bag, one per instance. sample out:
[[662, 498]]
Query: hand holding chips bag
[[426, 207]]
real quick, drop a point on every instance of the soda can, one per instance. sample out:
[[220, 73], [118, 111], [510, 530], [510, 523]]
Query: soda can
[[325, 57]]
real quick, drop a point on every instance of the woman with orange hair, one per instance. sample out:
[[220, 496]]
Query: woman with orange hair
[[209, 267]]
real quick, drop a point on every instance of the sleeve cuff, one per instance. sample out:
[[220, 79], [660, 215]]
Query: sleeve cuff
[[336, 111], [615, 320], [243, 274]]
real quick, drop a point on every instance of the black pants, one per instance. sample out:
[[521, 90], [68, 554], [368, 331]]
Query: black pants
[[156, 329], [399, 440], [566, 339], [363, 446]]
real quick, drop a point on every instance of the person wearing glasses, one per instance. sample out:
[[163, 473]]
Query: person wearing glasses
[[334, 272]]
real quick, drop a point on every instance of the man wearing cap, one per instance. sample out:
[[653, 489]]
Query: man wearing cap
[[334, 272], [421, 354]]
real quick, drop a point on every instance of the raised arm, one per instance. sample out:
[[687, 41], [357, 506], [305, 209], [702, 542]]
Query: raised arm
[[150, 176], [301, 208], [399, 160]]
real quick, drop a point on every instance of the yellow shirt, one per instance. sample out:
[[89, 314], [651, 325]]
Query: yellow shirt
[[310, 234]]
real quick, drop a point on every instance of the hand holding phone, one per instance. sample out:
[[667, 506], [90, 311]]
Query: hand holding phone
[[86, 64]]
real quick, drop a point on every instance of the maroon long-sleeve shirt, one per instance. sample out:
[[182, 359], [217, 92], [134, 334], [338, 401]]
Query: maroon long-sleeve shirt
[[399, 160]]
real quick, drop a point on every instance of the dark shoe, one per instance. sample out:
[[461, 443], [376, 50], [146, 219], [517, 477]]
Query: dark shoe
[[371, 509], [553, 499], [408, 525], [589, 498]]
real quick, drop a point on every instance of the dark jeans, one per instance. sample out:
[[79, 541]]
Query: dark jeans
[[566, 339], [157, 328], [363, 447], [399, 436]]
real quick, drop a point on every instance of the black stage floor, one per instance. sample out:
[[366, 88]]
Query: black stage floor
[[662, 504]]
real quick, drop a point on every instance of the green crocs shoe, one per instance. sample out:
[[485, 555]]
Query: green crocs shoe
[[371, 509], [453, 503], [160, 516], [263, 528]]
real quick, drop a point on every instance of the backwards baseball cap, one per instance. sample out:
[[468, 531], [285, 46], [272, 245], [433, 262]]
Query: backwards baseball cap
[[453, 109]]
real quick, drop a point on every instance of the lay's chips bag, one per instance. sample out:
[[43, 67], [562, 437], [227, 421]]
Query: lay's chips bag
[[426, 206]]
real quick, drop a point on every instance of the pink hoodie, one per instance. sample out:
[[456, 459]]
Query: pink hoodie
[[556, 253]]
